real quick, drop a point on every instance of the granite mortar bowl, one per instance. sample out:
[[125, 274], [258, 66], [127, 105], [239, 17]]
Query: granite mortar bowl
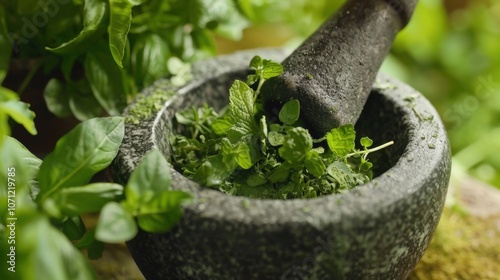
[[379, 230]]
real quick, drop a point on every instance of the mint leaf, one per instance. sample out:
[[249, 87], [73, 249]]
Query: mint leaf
[[265, 68], [290, 112], [241, 106], [297, 143], [341, 140]]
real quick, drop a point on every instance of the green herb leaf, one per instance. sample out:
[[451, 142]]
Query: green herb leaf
[[341, 140], [241, 106], [213, 171], [290, 112], [56, 99], [82, 101], [275, 138], [298, 143], [149, 179], [162, 212], [266, 68], [115, 224], [73, 228], [256, 180], [366, 142], [241, 152], [5, 46], [222, 125], [89, 198], [85, 150], [107, 81], [150, 55], [21, 113], [95, 13], [314, 164], [119, 26], [279, 174]]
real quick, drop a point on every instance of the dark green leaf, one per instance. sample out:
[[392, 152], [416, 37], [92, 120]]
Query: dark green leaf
[[107, 81], [150, 178], [290, 112], [256, 180], [89, 198], [115, 224], [26, 7], [119, 26], [297, 143], [341, 140], [95, 13], [150, 55], [56, 99], [279, 174], [82, 101], [94, 247], [5, 46], [73, 228], [162, 212], [85, 150]]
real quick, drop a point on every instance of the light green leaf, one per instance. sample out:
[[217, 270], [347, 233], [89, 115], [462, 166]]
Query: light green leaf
[[241, 106], [265, 68], [341, 140], [119, 26], [366, 142], [56, 99], [213, 171], [48, 252], [290, 112], [150, 178], [107, 81], [240, 152], [115, 224], [279, 174], [95, 13], [275, 138], [256, 180], [5, 46], [314, 164], [85, 150], [150, 55], [90, 198], [297, 143], [162, 212], [21, 113], [222, 125]]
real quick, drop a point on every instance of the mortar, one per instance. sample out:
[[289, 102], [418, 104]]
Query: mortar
[[378, 230]]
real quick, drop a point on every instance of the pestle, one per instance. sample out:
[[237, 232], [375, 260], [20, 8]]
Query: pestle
[[333, 71]]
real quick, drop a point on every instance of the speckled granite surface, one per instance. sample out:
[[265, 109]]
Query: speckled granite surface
[[377, 231]]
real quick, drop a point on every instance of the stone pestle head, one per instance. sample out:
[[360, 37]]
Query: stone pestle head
[[333, 71]]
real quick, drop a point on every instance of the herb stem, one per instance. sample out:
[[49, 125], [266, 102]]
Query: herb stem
[[29, 77], [370, 150]]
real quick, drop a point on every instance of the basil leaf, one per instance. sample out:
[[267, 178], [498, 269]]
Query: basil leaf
[[95, 13], [85, 150], [5, 46], [297, 143], [150, 55], [90, 198], [21, 113], [45, 248], [82, 102], [162, 212], [290, 112], [119, 26], [73, 228], [341, 140], [56, 99], [115, 224], [148, 179], [107, 81]]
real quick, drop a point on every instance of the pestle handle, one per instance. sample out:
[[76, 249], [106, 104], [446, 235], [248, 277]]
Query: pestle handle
[[333, 71]]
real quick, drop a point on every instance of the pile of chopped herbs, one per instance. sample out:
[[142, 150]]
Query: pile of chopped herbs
[[241, 150]]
